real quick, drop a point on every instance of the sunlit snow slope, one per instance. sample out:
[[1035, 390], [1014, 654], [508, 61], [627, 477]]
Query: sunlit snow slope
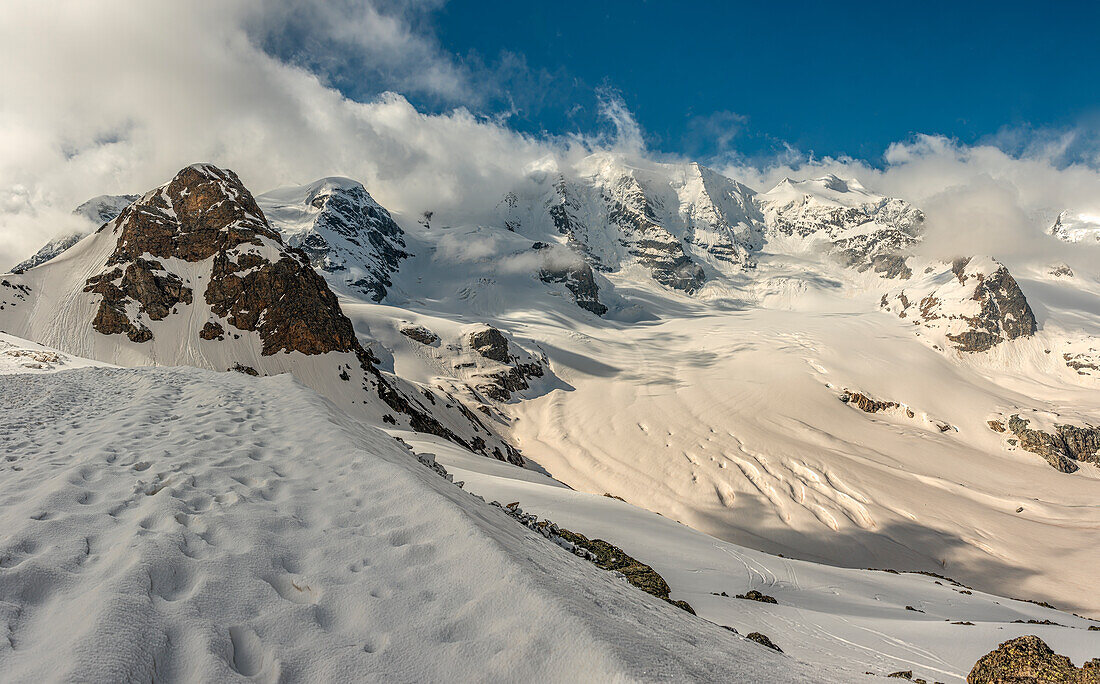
[[722, 409], [187, 525]]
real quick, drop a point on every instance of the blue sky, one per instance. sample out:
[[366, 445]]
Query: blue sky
[[710, 79]]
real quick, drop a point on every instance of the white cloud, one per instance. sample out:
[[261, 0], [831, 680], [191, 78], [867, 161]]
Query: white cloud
[[978, 199], [115, 96]]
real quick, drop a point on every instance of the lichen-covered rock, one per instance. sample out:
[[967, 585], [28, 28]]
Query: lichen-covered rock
[[754, 595], [1028, 660], [212, 331]]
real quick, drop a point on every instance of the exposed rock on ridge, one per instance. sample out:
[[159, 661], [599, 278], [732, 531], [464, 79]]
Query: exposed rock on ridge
[[976, 302]]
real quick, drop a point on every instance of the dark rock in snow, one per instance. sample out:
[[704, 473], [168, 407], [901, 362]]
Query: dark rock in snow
[[763, 640], [754, 595], [420, 334]]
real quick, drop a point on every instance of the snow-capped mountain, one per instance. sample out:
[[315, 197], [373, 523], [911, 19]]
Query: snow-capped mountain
[[682, 222], [192, 274], [975, 303], [1076, 227], [348, 236], [98, 210], [866, 230]]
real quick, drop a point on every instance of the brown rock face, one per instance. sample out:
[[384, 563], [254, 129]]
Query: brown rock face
[[1028, 660], [202, 211], [255, 282], [866, 403], [145, 282], [285, 301], [491, 344]]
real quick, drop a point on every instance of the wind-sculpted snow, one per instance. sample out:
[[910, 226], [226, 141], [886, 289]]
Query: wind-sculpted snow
[[857, 620], [186, 525]]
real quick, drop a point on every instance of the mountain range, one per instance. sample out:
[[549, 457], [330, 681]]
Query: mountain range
[[740, 390]]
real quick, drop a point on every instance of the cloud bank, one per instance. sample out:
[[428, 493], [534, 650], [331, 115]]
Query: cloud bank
[[115, 96]]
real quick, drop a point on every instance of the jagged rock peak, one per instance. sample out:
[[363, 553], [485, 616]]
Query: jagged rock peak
[[975, 301]]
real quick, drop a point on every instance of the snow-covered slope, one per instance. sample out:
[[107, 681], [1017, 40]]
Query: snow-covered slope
[[854, 620], [187, 525], [348, 236], [785, 371], [722, 408]]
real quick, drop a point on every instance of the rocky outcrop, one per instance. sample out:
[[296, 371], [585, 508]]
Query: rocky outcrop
[[255, 284], [200, 249], [1004, 313], [763, 640], [1084, 362], [754, 595], [490, 343], [867, 404], [1067, 444], [348, 237], [978, 306], [578, 278], [419, 333], [144, 284], [603, 554], [1028, 660]]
